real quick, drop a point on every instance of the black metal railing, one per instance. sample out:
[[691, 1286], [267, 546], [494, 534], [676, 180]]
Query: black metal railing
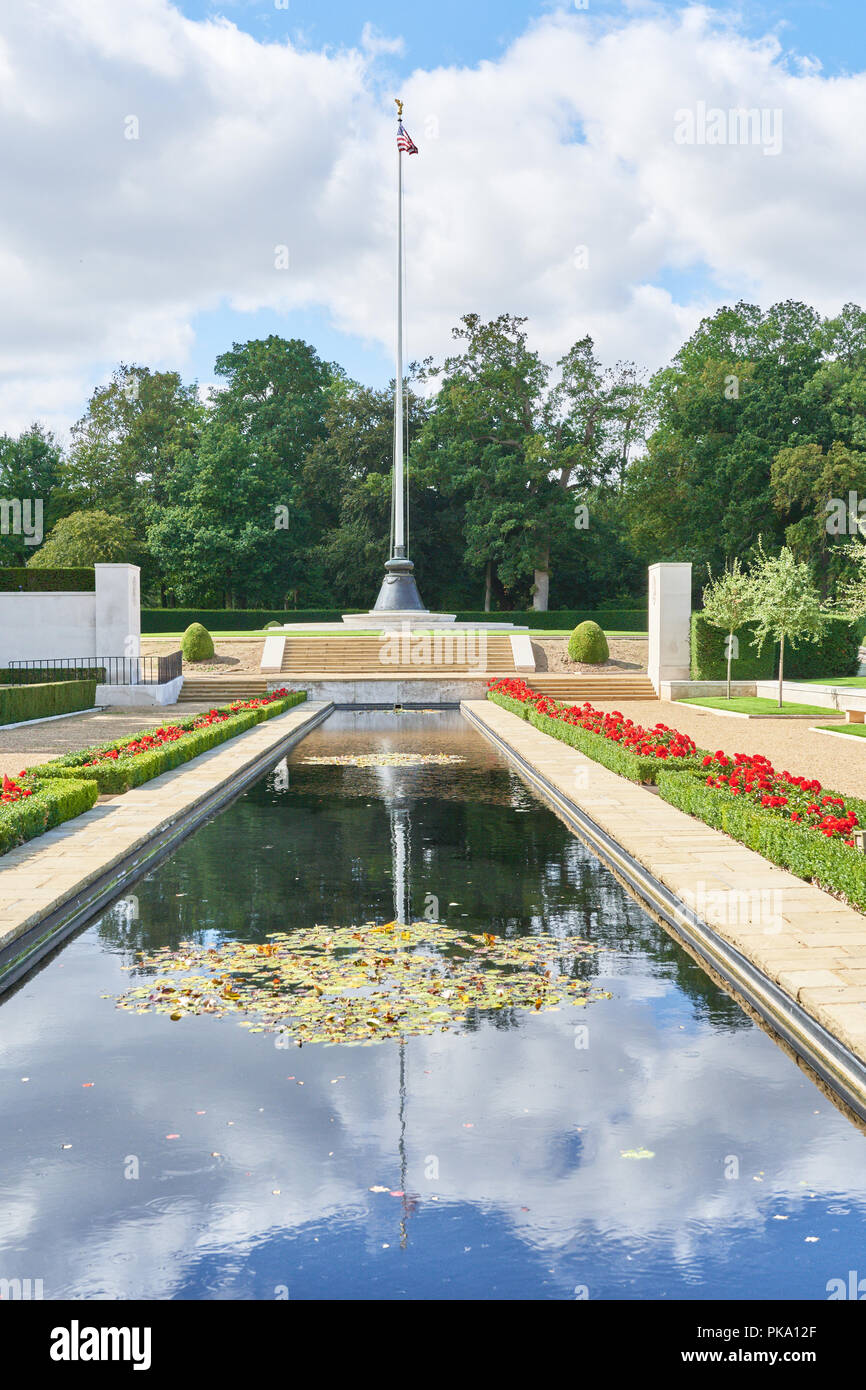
[[105, 670]]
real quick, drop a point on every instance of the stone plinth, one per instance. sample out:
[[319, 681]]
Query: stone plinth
[[670, 612]]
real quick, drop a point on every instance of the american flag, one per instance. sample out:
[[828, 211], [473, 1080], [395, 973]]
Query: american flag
[[405, 141]]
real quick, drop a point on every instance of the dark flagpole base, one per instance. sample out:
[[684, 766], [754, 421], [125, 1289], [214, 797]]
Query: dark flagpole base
[[399, 592]]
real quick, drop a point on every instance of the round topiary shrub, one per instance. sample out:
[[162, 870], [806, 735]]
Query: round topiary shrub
[[197, 643], [588, 643]]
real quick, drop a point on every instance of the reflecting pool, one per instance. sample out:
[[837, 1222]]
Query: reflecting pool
[[656, 1144]]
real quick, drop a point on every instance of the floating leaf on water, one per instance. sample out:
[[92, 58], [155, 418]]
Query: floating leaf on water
[[325, 984], [385, 759]]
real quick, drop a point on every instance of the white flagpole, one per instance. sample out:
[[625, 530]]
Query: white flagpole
[[399, 510]]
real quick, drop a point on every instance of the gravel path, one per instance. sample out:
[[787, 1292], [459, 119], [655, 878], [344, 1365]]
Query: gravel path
[[551, 654]]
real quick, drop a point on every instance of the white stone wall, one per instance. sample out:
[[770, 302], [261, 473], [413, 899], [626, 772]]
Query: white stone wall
[[34, 627]]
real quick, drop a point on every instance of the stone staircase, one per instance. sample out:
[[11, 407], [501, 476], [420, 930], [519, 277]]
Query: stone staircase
[[576, 689], [439, 654], [222, 690]]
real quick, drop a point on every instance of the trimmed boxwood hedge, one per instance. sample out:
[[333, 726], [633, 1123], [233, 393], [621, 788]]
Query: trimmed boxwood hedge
[[21, 702], [806, 853], [34, 675], [602, 750], [17, 579], [612, 619], [834, 654], [156, 620], [52, 803], [120, 774]]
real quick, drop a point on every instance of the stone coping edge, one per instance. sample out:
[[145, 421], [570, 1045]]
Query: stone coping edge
[[26, 950], [834, 1063]]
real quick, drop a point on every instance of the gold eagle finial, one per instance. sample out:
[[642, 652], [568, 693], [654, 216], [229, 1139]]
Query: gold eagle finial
[[399, 108]]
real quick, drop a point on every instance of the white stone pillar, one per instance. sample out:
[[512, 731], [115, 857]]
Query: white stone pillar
[[118, 611], [670, 611]]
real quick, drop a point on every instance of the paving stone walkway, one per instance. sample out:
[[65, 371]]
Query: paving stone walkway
[[805, 940]]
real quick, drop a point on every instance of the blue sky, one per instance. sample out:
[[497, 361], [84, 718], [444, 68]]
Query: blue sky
[[454, 32], [465, 31], [545, 131]]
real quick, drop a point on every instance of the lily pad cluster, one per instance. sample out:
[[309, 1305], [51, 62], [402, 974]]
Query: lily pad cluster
[[385, 759], [361, 985]]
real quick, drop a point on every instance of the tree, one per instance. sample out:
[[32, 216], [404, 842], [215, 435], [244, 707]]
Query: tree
[[734, 395], [237, 518], [811, 489], [30, 470], [483, 446], [126, 446], [84, 539], [787, 604], [514, 452], [850, 597], [728, 603]]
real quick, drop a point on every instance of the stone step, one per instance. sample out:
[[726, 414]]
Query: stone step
[[222, 691], [445, 653], [579, 688]]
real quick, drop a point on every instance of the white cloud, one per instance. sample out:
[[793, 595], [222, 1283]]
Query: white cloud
[[110, 246]]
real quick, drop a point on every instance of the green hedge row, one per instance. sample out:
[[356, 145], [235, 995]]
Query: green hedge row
[[602, 750], [156, 620], [50, 805], [21, 702], [35, 675], [834, 654], [120, 774], [806, 853], [611, 619], [17, 579]]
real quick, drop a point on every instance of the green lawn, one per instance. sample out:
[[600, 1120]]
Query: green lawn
[[756, 704], [855, 730], [175, 637], [859, 682]]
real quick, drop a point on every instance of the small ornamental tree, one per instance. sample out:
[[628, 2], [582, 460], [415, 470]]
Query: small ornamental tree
[[850, 597], [728, 603], [787, 603]]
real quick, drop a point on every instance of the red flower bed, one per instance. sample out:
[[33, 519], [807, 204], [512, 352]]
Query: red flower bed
[[658, 742], [798, 799], [169, 734], [13, 791], [261, 700]]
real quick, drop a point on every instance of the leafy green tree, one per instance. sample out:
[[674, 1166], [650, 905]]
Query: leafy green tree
[[483, 447], [787, 604], [728, 603], [237, 520], [125, 444], [30, 473], [849, 599], [125, 447], [811, 490], [734, 395], [347, 480], [516, 453], [87, 538]]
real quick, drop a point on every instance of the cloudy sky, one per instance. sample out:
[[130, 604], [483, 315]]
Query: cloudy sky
[[577, 164]]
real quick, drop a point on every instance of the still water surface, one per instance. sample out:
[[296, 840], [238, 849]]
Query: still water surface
[[501, 1149]]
